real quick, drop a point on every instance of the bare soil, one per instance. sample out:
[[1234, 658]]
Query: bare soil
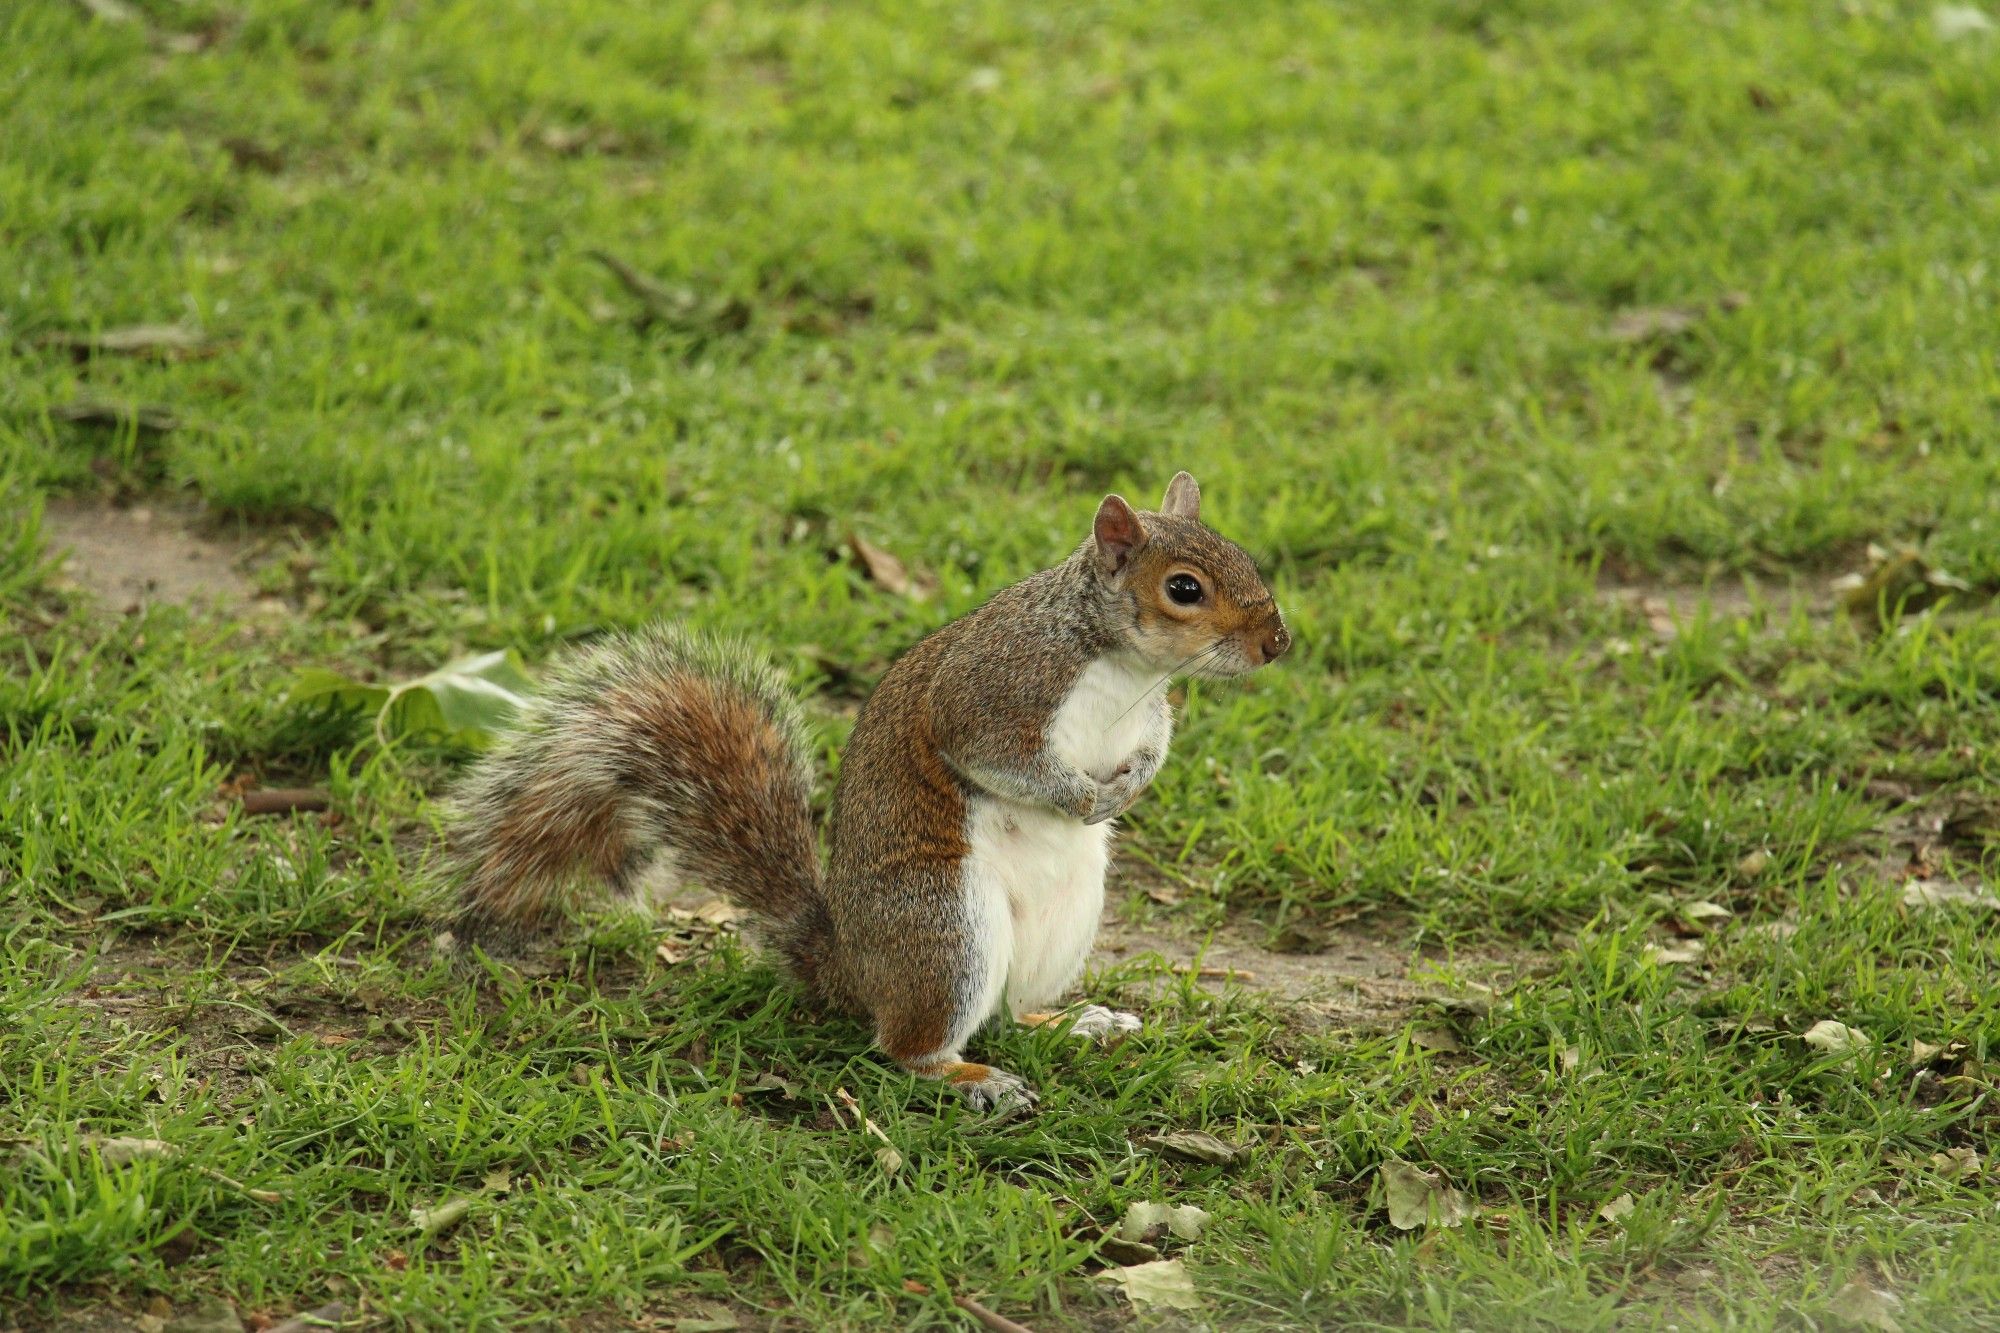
[[145, 555]]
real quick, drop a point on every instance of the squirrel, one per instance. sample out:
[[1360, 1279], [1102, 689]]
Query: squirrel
[[971, 824]]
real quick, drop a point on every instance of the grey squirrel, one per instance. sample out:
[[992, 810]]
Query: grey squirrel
[[971, 824]]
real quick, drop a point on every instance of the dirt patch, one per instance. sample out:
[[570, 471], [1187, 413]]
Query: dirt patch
[[144, 556], [1666, 605], [1359, 979]]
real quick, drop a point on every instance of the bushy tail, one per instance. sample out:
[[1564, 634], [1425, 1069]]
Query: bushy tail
[[650, 755]]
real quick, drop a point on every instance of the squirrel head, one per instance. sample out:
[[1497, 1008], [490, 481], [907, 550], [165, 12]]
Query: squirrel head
[[1196, 601]]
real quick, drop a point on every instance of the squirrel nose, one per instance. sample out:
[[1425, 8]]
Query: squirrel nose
[[1277, 641]]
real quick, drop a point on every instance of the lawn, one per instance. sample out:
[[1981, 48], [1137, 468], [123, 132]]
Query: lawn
[[1556, 359]]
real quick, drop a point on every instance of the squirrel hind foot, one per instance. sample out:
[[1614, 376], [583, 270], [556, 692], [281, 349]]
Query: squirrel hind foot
[[983, 1087], [999, 1093]]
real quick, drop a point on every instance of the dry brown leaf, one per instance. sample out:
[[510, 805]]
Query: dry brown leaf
[[718, 912], [1960, 1163], [1120, 1250], [1435, 1039], [1196, 1146], [1416, 1197], [1646, 323], [885, 570], [1924, 893]]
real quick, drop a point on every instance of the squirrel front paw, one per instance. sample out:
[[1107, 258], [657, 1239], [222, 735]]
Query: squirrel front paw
[[1115, 797], [1005, 1095]]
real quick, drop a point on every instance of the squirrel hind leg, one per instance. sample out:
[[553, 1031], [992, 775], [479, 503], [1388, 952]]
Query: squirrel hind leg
[[922, 1040], [984, 1087]]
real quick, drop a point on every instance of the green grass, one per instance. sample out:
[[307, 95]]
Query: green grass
[[1357, 266]]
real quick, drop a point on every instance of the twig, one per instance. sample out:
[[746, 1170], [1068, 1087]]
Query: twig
[[999, 1323], [1215, 973], [284, 800], [257, 1195]]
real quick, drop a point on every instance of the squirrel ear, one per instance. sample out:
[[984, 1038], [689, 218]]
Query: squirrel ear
[[1117, 533], [1183, 499]]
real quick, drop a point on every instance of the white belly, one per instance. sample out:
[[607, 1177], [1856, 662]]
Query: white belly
[[1036, 878], [1037, 883]]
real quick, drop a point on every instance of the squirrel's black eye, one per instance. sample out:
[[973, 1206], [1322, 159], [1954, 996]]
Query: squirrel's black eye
[[1184, 589]]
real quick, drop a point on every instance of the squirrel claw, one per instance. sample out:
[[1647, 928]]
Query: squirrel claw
[[1005, 1095]]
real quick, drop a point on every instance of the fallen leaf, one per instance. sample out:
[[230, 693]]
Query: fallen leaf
[[1753, 864], [167, 341], [124, 1151], [498, 1181], [396, 1261], [710, 1320], [434, 1221], [885, 570], [1834, 1038], [717, 912], [1435, 1039], [671, 951], [1897, 581], [1687, 951], [1196, 1146], [1953, 22], [1701, 914], [1926, 893], [471, 699], [211, 1314], [1145, 1221], [1862, 1305], [1621, 1206], [1922, 1052], [1647, 323], [110, 11], [889, 1159], [1119, 1250], [1957, 1163], [769, 1082], [1163, 1282], [1416, 1197], [331, 1315]]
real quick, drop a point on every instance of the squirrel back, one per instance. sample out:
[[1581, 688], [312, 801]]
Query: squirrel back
[[653, 755]]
